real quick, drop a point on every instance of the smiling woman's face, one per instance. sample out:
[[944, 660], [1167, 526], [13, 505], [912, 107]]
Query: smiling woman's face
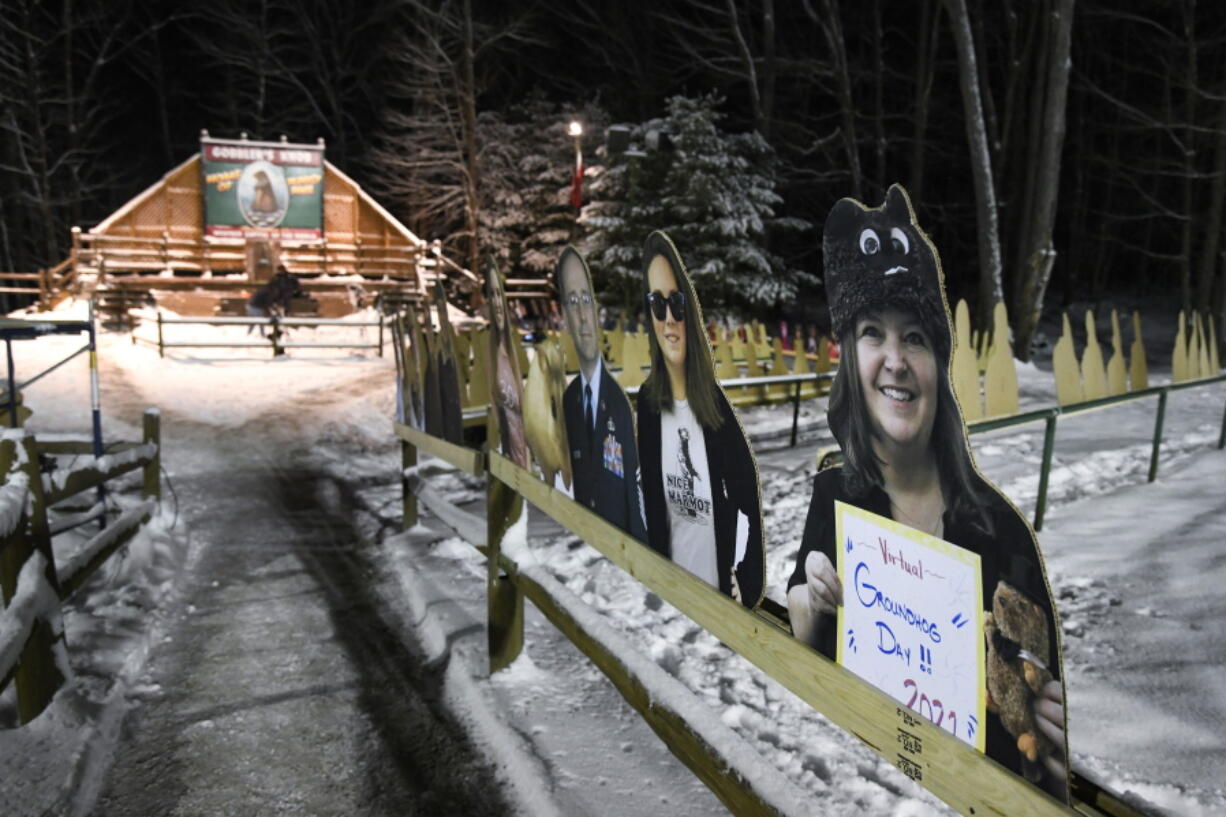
[[670, 333], [898, 375]]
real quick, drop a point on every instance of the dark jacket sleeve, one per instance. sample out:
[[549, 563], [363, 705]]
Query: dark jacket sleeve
[[817, 524], [741, 481], [635, 517], [654, 509]]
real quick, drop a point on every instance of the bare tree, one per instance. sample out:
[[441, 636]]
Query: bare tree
[[831, 25], [1036, 252], [990, 290], [429, 153]]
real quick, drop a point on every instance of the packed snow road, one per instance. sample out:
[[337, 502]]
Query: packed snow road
[[283, 687]]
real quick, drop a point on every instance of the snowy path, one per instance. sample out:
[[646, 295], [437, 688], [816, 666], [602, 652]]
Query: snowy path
[[1145, 646], [283, 689]]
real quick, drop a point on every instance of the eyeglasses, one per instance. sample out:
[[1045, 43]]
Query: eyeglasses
[[675, 303], [574, 299]]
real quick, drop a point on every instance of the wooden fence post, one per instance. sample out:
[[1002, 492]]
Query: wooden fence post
[[274, 335], [161, 348], [505, 607], [152, 471], [37, 678], [1049, 442], [408, 459], [1158, 420]]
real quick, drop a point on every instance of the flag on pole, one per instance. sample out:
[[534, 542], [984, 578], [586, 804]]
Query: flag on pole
[[576, 183]]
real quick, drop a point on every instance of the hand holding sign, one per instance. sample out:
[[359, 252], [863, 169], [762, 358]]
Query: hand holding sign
[[825, 588]]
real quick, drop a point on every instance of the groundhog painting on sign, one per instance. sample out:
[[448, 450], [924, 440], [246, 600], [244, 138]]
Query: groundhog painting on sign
[[264, 200]]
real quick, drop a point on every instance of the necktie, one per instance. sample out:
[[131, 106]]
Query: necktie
[[587, 407]]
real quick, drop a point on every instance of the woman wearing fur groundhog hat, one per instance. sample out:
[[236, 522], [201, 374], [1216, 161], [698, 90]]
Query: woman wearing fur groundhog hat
[[906, 457]]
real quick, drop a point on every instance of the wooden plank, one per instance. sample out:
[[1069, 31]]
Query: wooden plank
[[1093, 372], [468, 526], [1000, 373], [37, 677], [1066, 368], [112, 538], [1138, 371], [468, 460], [931, 756], [91, 477], [152, 429], [79, 447]]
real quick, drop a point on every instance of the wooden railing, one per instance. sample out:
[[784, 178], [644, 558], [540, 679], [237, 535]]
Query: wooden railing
[[115, 253], [32, 584], [967, 780], [274, 339]]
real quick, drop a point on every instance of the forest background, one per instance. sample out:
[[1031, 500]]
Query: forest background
[[1058, 151]]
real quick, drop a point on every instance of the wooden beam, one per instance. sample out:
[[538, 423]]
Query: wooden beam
[[101, 547], [468, 460], [968, 781], [92, 477]]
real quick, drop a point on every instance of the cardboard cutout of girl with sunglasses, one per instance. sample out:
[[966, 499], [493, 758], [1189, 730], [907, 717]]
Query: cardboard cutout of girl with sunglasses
[[909, 471], [599, 422], [700, 479]]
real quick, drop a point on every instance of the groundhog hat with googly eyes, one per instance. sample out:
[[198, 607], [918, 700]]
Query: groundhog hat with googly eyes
[[878, 257]]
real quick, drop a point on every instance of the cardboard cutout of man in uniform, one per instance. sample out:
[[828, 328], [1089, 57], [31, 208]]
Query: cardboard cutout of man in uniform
[[599, 422]]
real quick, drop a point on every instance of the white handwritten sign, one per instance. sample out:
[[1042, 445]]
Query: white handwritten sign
[[911, 622]]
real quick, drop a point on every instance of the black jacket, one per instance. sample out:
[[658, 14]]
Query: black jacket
[[1008, 553], [597, 485], [734, 484]]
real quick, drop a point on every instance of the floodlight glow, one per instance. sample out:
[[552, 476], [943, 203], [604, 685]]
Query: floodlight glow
[[575, 129]]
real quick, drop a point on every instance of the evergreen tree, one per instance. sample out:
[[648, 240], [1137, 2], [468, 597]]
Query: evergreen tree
[[711, 191], [528, 161]]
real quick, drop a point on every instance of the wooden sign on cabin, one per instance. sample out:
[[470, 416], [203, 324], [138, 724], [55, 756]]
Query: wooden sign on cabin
[[262, 190]]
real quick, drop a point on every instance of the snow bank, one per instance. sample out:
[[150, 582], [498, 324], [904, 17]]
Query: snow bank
[[665, 691]]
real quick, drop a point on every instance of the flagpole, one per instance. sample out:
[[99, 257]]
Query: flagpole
[[576, 186]]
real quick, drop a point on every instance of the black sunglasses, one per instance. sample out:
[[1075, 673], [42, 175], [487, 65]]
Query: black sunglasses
[[675, 303]]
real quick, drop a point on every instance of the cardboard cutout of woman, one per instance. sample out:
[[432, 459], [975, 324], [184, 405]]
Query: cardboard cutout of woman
[[408, 384], [907, 458], [415, 374], [507, 394], [599, 422], [450, 411], [431, 383], [700, 480]]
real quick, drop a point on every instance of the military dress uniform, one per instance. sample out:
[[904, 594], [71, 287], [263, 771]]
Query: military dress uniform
[[603, 455]]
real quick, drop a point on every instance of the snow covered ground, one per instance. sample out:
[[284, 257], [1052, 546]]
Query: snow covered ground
[[1136, 569]]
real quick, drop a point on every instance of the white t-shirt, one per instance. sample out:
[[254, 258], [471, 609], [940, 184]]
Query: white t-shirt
[[687, 492]]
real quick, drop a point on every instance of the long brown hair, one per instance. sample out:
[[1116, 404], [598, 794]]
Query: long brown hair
[[847, 415], [702, 391]]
